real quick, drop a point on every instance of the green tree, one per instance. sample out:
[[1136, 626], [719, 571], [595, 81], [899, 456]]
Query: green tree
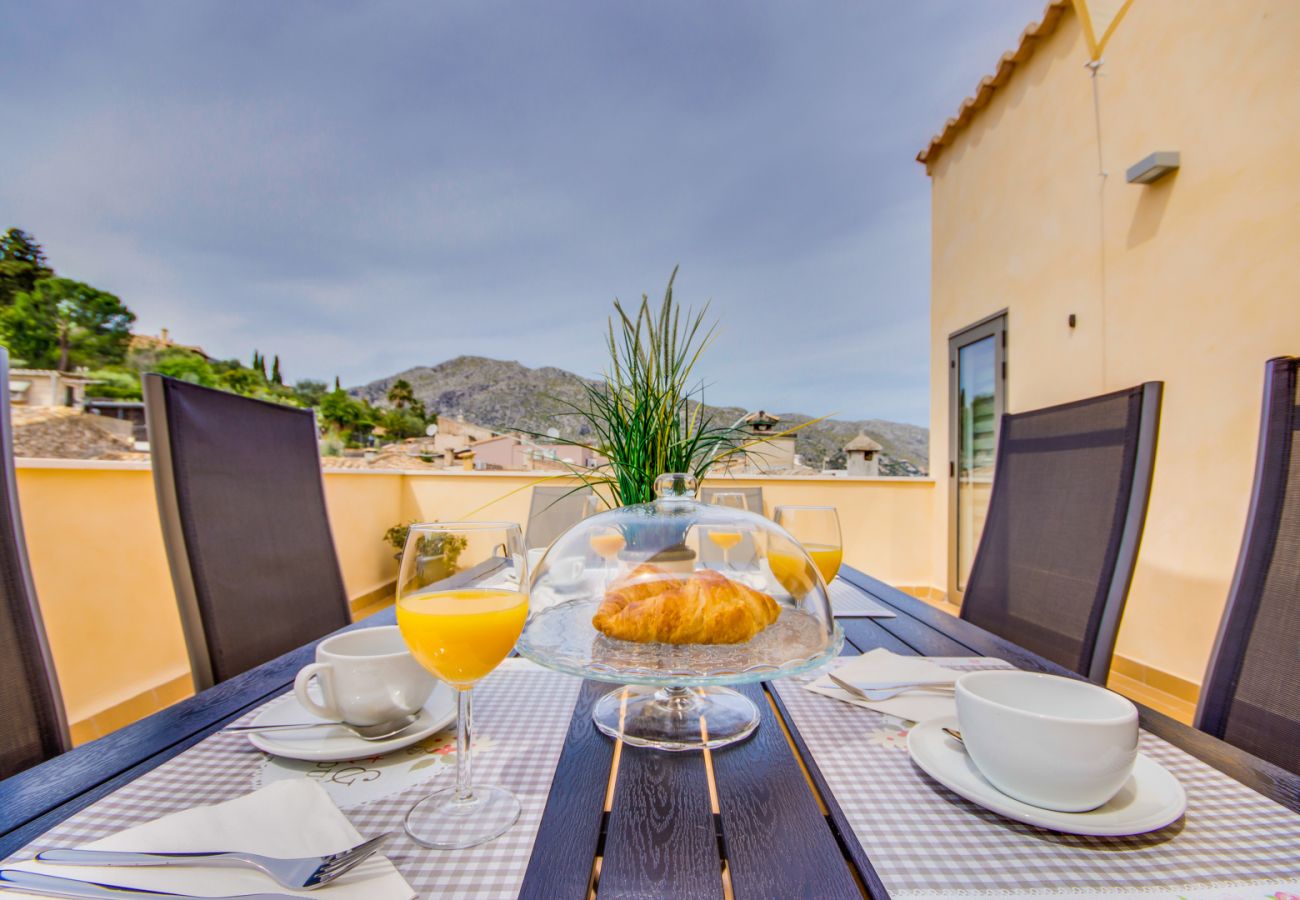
[[114, 384], [22, 264], [349, 417], [399, 424], [248, 382], [276, 377], [62, 323], [400, 395], [185, 366], [309, 392]]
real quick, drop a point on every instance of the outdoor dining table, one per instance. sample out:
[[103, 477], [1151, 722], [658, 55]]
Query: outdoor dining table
[[785, 813]]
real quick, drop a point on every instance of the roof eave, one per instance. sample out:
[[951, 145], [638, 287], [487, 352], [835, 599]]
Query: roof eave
[[983, 93]]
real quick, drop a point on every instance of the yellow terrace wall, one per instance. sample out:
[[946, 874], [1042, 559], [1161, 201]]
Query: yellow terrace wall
[[105, 592], [1193, 280], [102, 580]]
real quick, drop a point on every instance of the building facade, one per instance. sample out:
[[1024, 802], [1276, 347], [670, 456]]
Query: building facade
[[46, 387], [1052, 282]]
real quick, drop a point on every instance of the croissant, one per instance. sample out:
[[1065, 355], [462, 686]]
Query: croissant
[[708, 608]]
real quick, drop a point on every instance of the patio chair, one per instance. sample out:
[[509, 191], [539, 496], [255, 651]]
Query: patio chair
[[753, 496], [1064, 522], [1251, 693], [243, 514], [33, 726], [553, 511]]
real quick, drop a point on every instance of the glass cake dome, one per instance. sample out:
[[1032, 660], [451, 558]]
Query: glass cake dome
[[676, 599]]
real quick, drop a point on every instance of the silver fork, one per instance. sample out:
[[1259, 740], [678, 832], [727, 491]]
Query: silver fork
[[306, 872], [37, 884], [889, 692]]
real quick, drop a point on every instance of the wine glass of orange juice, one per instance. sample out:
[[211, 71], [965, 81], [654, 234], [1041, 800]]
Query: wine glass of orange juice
[[818, 529], [726, 539], [607, 543], [460, 632]]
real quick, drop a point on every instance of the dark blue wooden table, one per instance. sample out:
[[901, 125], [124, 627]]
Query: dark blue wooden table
[[762, 821]]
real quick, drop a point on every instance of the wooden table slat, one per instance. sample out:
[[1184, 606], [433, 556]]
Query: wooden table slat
[[868, 634], [839, 822], [661, 841], [778, 843], [569, 833]]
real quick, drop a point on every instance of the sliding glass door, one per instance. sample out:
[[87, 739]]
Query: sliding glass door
[[976, 400]]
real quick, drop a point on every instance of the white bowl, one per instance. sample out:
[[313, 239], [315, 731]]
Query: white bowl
[[1053, 742]]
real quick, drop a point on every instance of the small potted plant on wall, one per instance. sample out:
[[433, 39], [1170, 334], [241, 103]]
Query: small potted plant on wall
[[438, 554]]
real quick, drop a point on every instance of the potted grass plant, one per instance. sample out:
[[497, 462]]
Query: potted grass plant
[[647, 415]]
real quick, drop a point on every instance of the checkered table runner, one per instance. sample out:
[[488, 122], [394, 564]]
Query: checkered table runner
[[848, 600], [522, 709], [924, 840]]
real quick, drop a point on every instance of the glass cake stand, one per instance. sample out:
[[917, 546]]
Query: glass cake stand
[[677, 696]]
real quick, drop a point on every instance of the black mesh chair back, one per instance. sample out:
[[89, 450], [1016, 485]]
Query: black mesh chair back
[[1251, 693], [1064, 523], [32, 723], [753, 496], [243, 513], [553, 511]]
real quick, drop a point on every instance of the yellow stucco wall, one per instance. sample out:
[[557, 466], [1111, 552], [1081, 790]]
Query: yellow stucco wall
[[1193, 280], [105, 592]]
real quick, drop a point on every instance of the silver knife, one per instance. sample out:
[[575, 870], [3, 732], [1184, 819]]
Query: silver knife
[[56, 886]]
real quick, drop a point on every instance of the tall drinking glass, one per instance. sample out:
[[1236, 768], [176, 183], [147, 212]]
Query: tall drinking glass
[[733, 499], [818, 529], [460, 632]]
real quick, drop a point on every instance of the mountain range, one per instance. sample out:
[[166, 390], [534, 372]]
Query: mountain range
[[506, 396]]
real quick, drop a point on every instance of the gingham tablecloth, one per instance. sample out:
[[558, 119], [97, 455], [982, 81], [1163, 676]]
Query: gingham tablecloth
[[925, 841], [521, 709], [847, 600]]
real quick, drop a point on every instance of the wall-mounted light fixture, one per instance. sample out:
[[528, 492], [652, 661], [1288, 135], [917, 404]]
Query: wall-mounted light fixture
[[1157, 165]]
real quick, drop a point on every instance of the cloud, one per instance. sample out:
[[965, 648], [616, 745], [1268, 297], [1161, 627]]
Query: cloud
[[365, 187]]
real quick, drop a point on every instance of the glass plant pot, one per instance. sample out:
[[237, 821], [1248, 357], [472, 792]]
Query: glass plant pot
[[662, 598]]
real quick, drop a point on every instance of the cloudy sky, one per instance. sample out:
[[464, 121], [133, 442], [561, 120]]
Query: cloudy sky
[[364, 187]]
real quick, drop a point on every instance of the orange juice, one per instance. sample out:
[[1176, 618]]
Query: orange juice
[[791, 571], [608, 543], [462, 635], [827, 559], [725, 539]]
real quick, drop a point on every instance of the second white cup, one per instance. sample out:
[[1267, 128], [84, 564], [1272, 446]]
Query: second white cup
[[365, 677], [1058, 743]]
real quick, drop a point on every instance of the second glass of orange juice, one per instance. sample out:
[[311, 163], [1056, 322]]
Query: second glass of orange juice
[[460, 632], [818, 529]]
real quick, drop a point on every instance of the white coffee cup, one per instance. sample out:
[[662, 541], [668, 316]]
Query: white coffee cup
[[1053, 742], [561, 572], [534, 557], [366, 677]]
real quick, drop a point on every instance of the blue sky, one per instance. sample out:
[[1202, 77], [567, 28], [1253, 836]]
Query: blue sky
[[364, 187]]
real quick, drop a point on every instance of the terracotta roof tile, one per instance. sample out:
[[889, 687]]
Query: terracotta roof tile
[[1029, 39]]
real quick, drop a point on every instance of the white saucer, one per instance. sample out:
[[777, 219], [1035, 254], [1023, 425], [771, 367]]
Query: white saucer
[[1151, 798], [331, 743]]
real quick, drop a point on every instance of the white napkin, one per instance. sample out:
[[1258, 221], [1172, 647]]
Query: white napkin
[[288, 818], [882, 665]]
